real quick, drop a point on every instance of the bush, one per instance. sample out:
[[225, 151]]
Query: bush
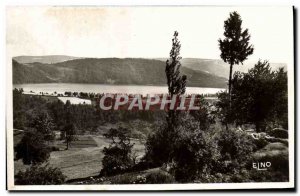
[[234, 144], [235, 149], [159, 177], [159, 146], [40, 175], [194, 153], [116, 160], [117, 157]]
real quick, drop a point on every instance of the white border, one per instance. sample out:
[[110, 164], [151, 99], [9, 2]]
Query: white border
[[214, 186]]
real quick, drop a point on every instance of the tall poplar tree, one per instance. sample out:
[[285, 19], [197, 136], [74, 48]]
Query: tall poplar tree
[[176, 82]]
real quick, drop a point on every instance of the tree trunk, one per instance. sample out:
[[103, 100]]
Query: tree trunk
[[229, 85], [229, 81], [67, 145]]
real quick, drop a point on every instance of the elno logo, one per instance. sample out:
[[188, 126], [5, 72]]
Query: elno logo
[[261, 165]]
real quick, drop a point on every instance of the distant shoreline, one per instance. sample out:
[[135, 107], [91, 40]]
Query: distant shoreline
[[111, 84]]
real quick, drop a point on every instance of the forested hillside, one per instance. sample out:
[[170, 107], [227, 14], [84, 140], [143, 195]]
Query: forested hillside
[[129, 71]]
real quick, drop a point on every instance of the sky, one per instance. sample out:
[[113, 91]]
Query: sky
[[144, 31]]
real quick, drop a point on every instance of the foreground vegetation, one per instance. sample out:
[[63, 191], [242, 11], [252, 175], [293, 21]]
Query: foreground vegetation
[[221, 142]]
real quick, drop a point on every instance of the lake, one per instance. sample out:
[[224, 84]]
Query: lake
[[50, 88]]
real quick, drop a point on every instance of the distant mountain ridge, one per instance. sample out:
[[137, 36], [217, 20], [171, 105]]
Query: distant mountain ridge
[[218, 67], [128, 71], [50, 59]]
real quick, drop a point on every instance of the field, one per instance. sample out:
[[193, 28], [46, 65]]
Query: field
[[83, 159]]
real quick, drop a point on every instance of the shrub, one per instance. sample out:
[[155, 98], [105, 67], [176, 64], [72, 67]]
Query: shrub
[[234, 144], [159, 177], [159, 146], [40, 175], [116, 160], [194, 153], [117, 157], [235, 149]]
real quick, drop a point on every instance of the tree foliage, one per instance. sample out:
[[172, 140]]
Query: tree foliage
[[159, 147], [70, 134], [258, 97], [194, 154], [117, 157], [235, 148], [176, 82], [205, 114], [32, 148], [235, 47], [43, 123]]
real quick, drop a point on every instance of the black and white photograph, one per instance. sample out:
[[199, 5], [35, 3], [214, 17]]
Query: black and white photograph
[[150, 97]]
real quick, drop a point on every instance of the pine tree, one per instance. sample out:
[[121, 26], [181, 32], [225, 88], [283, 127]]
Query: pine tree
[[235, 47]]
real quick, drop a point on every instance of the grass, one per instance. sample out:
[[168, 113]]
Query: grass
[[83, 141], [84, 157]]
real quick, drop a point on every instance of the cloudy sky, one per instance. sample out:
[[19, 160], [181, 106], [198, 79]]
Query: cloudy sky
[[144, 31]]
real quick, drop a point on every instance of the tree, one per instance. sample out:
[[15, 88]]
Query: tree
[[19, 120], [223, 111], [69, 128], [205, 114], [176, 83], [160, 144], [260, 96], [70, 134], [68, 115], [32, 148], [43, 123], [117, 157], [235, 47]]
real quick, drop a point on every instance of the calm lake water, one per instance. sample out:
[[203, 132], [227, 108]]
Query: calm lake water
[[102, 88]]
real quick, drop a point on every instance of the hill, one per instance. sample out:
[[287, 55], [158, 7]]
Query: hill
[[44, 59], [128, 71], [218, 67]]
